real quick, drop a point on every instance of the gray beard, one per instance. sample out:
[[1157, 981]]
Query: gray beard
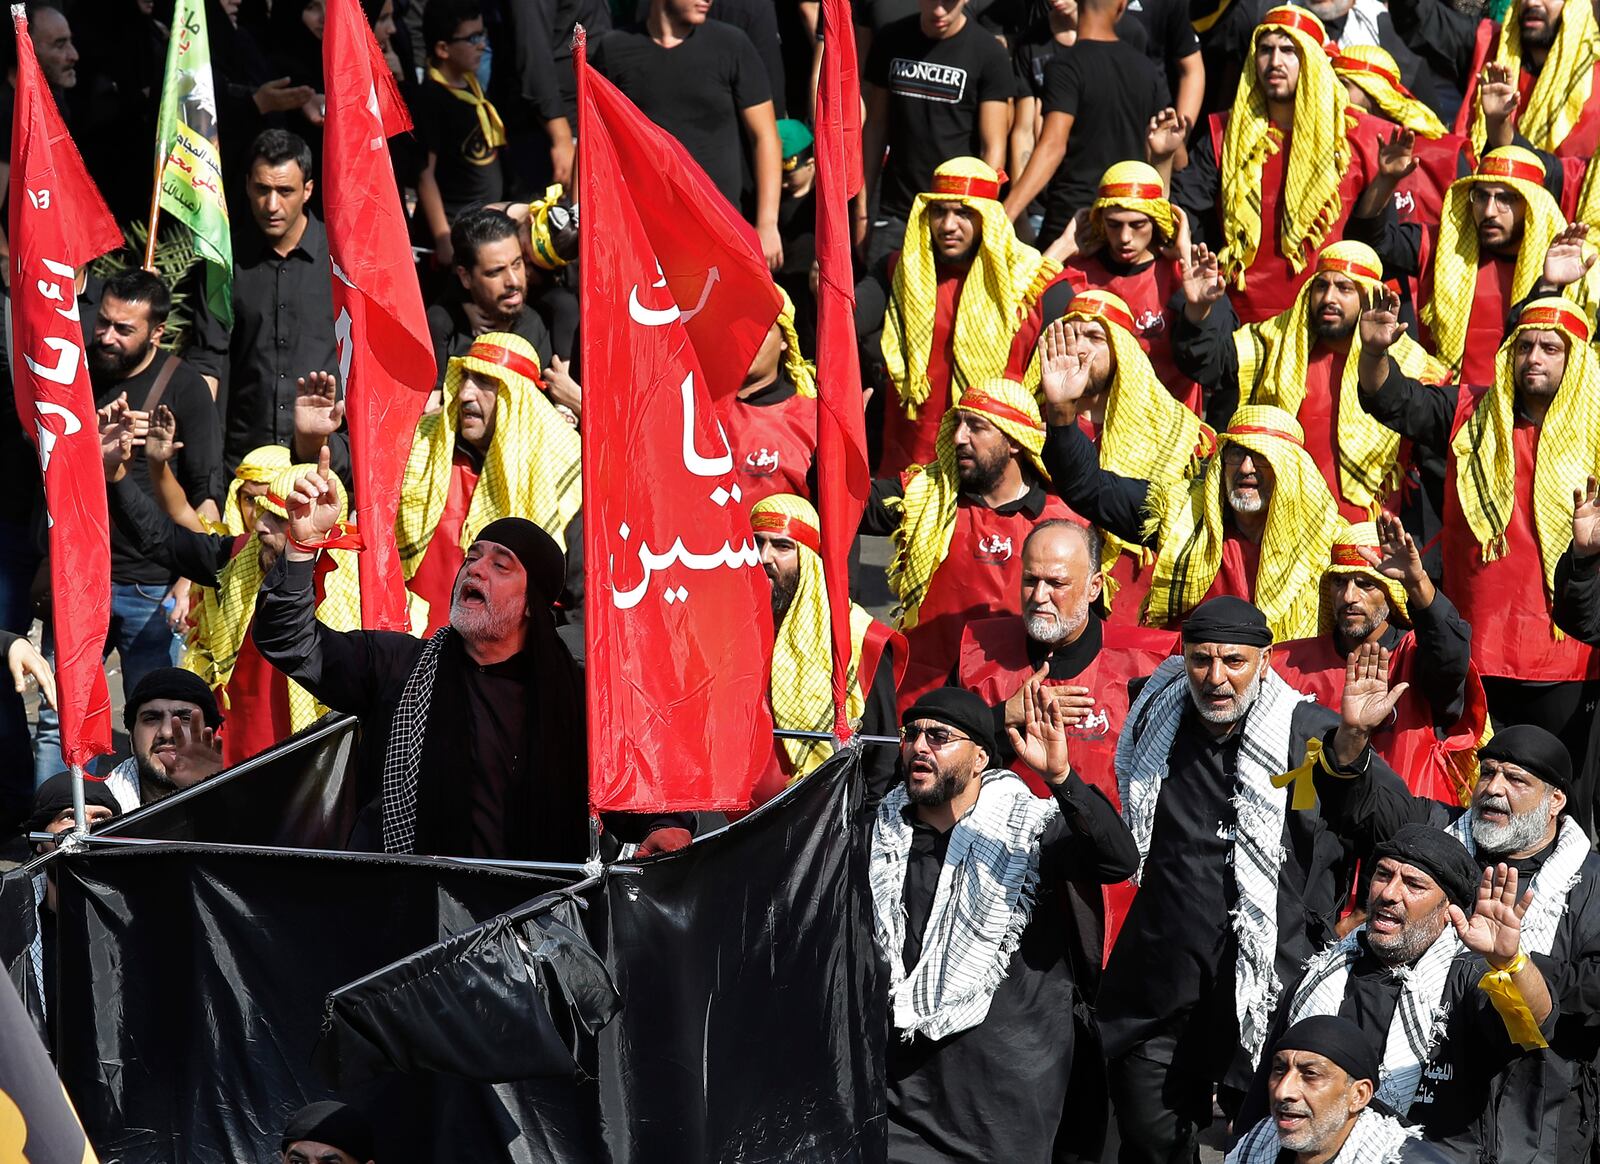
[[1522, 832], [482, 622], [1052, 631], [1242, 503], [1241, 706], [1411, 942], [1317, 1134]]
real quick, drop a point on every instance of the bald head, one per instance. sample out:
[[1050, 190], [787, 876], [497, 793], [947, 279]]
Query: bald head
[[1060, 578]]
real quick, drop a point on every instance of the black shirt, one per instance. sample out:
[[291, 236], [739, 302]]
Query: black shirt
[[935, 88], [198, 465], [695, 91], [452, 334], [467, 168], [1112, 90], [282, 330]]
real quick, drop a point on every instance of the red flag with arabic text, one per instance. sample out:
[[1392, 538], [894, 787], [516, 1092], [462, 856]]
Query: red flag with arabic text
[[678, 618], [58, 223], [386, 363]]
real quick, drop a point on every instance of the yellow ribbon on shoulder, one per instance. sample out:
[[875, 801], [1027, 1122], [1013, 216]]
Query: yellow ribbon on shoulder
[[493, 129]]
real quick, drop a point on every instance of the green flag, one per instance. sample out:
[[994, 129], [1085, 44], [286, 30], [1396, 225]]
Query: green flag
[[189, 162]]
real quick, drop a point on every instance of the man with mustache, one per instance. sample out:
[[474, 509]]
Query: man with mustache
[[1238, 886], [173, 726], [1446, 1001], [1519, 820]]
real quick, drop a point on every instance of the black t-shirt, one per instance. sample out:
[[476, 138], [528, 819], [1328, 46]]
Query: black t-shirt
[[1112, 90], [695, 91], [1168, 34], [935, 88], [468, 170], [198, 465]]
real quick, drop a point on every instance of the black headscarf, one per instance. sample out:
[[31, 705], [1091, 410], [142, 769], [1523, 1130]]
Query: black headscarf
[[960, 709], [1226, 619], [172, 683], [54, 796], [1444, 858], [1336, 1039], [541, 558], [1534, 749], [337, 1125]]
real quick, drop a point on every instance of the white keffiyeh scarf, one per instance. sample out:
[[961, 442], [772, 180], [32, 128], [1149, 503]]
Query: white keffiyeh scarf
[[981, 904], [1375, 1139], [1419, 1014], [1551, 886], [1257, 835]]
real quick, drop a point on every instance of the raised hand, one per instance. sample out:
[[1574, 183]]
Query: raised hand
[[313, 504], [1586, 520], [1203, 284], [318, 409], [161, 442], [1565, 261], [565, 392], [1397, 556], [1497, 93], [1368, 701], [1396, 157], [1063, 367], [1180, 244], [198, 751], [1166, 134], [279, 96], [1380, 324], [1494, 930], [1042, 744], [117, 439]]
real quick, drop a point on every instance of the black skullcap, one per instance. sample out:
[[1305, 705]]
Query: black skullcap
[[336, 1124], [1444, 858], [1535, 749], [543, 560], [55, 794], [1226, 619], [172, 683], [959, 709], [1336, 1039]]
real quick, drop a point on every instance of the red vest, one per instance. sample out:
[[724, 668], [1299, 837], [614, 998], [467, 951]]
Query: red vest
[[1271, 284], [1486, 318], [1505, 599], [979, 577], [908, 442], [772, 445], [435, 579], [994, 664], [1584, 137], [1434, 768], [1420, 196]]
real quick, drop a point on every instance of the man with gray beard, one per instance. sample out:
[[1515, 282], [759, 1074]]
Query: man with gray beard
[[1519, 818]]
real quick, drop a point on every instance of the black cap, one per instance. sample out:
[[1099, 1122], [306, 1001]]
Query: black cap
[[172, 683], [1437, 852], [1226, 619], [55, 794], [541, 558], [959, 709], [1336, 1039], [1534, 749], [328, 1122]]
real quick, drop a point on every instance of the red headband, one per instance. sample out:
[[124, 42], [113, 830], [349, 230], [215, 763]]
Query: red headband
[[1511, 168], [770, 521], [1348, 554], [1555, 317], [955, 184], [1348, 267], [1143, 190], [506, 358], [979, 401], [1299, 21], [1263, 430], [1353, 65], [1093, 307]]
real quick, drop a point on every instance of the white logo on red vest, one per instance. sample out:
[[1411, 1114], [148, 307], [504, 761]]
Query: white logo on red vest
[[1404, 202], [1149, 322], [1095, 726], [995, 548], [761, 463]]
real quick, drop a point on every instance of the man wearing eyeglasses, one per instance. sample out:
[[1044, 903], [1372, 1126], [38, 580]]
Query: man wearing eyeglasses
[[968, 871]]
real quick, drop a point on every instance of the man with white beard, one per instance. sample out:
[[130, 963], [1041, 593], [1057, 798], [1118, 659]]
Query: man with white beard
[[1518, 817]]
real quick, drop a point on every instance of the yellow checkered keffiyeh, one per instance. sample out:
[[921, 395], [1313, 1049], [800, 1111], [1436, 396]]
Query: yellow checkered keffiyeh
[[1318, 161], [494, 130], [1569, 442], [258, 467], [1373, 71], [802, 372], [222, 616], [1186, 519], [531, 469], [802, 661], [1006, 278], [1455, 260], [1563, 85], [1274, 354], [928, 507], [1137, 187], [1344, 557]]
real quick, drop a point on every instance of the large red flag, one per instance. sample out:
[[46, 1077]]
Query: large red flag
[[843, 477], [678, 620], [385, 361], [58, 222]]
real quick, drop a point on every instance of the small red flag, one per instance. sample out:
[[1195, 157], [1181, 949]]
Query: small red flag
[[58, 223], [386, 363], [678, 621], [843, 477]]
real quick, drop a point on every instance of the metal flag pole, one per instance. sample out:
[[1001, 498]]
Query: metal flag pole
[[80, 815]]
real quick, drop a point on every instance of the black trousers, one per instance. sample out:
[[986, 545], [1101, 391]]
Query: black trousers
[[1160, 1109]]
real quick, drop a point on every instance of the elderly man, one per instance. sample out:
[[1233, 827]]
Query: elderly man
[[1236, 889], [1374, 590], [958, 290], [1518, 820], [788, 534], [1321, 1075], [1434, 980], [172, 721], [1245, 525], [959, 522], [1515, 450], [327, 1132], [1304, 360], [967, 869]]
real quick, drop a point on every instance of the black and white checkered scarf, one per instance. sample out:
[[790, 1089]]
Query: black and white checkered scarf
[[403, 760], [1375, 1139]]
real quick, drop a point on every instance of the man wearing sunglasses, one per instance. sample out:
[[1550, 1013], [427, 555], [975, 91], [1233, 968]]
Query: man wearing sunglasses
[[970, 872]]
